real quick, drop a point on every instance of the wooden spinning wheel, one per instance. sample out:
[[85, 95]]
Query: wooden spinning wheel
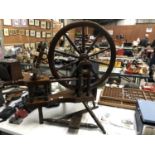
[[75, 64], [81, 52]]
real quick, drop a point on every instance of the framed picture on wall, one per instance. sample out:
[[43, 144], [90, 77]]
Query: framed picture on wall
[[43, 34], [10, 32], [32, 33], [32, 45], [7, 22], [6, 32], [37, 22], [48, 25], [149, 29], [31, 21], [22, 32], [26, 45], [17, 31], [53, 25], [13, 32], [43, 24], [16, 22], [27, 33], [23, 22], [48, 35], [38, 34]]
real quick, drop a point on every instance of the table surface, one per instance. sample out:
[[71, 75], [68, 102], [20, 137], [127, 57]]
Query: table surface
[[116, 121], [120, 72]]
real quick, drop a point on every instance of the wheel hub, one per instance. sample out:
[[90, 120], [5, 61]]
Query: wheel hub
[[84, 56]]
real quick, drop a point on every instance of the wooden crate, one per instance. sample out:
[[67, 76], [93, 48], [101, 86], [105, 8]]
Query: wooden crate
[[124, 97]]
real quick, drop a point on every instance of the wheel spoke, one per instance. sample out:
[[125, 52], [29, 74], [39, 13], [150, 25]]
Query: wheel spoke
[[83, 39], [98, 62], [99, 34], [67, 65], [99, 52], [63, 75], [70, 41], [95, 74], [66, 54]]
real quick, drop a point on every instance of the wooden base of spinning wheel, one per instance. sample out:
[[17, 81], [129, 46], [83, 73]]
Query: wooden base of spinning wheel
[[75, 120], [78, 74], [48, 99]]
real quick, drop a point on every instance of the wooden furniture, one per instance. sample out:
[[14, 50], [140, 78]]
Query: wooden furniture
[[124, 97], [13, 68]]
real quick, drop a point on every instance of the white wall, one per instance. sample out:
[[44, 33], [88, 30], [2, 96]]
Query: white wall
[[120, 22], [126, 22]]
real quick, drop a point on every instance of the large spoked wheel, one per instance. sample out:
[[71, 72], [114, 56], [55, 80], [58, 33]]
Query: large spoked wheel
[[67, 51]]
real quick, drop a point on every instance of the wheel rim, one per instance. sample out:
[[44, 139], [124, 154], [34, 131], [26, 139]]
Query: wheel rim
[[79, 51]]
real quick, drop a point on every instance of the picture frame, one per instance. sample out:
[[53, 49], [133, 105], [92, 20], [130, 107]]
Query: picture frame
[[38, 34], [6, 31], [17, 31], [26, 45], [27, 33], [32, 33], [22, 32], [32, 45], [36, 22], [23, 22], [43, 34], [11, 32], [14, 32], [48, 25], [53, 25], [16, 22], [43, 24], [7, 22], [149, 29], [31, 22], [48, 35]]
